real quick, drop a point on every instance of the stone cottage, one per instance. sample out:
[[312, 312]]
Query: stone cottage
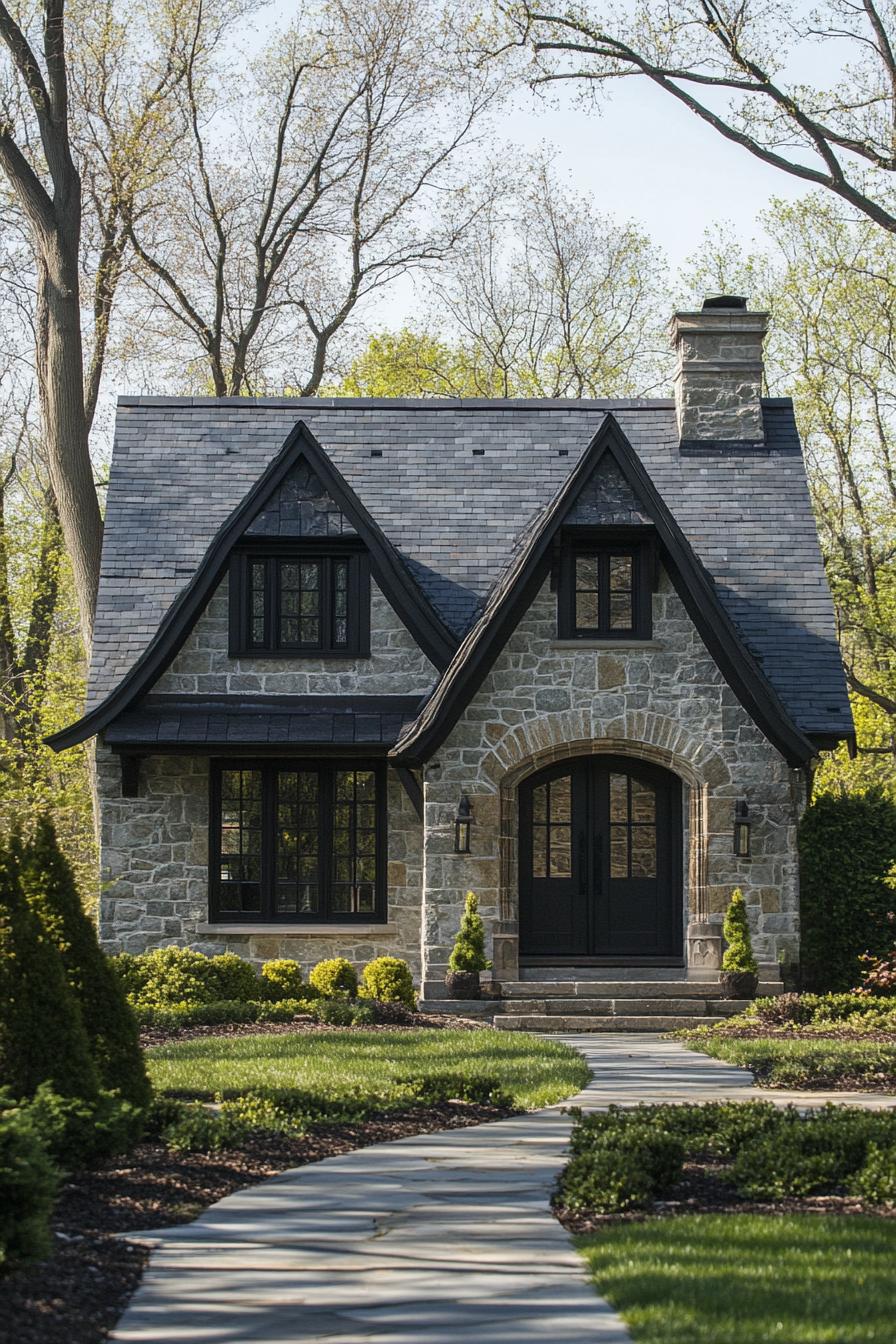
[[355, 657]]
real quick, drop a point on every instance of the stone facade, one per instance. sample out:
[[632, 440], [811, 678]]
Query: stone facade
[[396, 665], [664, 701], [155, 847]]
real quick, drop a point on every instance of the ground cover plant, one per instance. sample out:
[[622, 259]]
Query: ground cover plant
[[734, 1151], [749, 1278], [836, 1041]]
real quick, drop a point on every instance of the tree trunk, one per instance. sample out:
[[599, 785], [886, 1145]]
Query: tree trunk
[[60, 376]]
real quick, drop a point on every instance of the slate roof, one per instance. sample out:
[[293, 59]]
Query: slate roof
[[453, 485], [265, 721]]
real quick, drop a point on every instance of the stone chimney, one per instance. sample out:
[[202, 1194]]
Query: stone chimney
[[718, 381]]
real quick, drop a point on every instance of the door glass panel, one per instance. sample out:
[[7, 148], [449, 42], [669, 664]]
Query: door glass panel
[[551, 828], [643, 851], [561, 851], [619, 798], [643, 802], [632, 827]]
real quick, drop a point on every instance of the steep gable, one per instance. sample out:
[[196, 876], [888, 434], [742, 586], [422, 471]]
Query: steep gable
[[300, 506], [609, 460]]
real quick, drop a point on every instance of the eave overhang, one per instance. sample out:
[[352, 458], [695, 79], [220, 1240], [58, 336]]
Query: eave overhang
[[390, 573], [527, 571]]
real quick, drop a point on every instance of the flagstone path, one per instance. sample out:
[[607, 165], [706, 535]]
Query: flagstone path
[[420, 1241]]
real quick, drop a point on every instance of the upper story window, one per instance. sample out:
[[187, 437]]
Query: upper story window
[[300, 601], [604, 593]]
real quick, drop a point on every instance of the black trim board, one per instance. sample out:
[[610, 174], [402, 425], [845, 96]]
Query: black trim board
[[390, 573], [524, 576]]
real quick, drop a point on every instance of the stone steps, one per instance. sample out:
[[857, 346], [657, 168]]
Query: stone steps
[[605, 1006], [619, 989], [554, 1022]]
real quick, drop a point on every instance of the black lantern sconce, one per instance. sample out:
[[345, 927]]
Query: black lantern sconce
[[741, 829], [462, 826]]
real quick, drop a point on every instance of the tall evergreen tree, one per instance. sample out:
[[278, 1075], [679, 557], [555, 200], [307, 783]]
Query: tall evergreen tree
[[111, 1027], [42, 1036]]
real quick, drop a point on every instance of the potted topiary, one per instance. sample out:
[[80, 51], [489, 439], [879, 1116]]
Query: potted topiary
[[468, 955], [739, 978]]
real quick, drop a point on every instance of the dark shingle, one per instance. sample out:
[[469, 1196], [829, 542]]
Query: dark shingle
[[180, 466]]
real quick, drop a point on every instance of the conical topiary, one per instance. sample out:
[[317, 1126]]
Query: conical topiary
[[111, 1027], [468, 953], [738, 957], [42, 1036]]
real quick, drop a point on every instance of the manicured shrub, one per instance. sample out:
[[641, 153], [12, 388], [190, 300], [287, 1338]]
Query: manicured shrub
[[219, 1014], [281, 979], [802, 1154], [111, 1028], [76, 1133], [876, 1180], [624, 1167], [847, 850], [197, 1129], [170, 977], [389, 980], [738, 956], [230, 977], [857, 1010], [709, 1128], [468, 953], [334, 976], [333, 1012], [42, 1036], [28, 1186]]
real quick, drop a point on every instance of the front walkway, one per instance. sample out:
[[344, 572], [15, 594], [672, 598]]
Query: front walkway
[[418, 1241]]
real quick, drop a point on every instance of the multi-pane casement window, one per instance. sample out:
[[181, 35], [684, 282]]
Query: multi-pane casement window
[[296, 602], [298, 841], [604, 593]]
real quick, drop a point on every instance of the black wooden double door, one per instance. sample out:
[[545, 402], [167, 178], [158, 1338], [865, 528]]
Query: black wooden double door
[[600, 861]]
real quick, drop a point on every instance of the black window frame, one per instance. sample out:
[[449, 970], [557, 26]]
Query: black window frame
[[326, 770], [273, 556], [604, 548]]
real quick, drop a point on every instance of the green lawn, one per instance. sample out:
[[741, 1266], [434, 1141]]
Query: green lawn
[[749, 1278], [356, 1064], [779, 1062]]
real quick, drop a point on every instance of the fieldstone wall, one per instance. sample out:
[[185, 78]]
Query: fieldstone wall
[[154, 848], [396, 665], [665, 701], [155, 874]]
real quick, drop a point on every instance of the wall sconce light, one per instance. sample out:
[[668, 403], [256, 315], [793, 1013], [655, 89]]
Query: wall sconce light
[[462, 826], [741, 829]]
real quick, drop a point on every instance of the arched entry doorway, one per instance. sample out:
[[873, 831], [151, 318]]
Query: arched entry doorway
[[600, 862]]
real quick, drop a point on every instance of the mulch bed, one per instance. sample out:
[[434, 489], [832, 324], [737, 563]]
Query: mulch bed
[[303, 1026], [77, 1295], [702, 1189]]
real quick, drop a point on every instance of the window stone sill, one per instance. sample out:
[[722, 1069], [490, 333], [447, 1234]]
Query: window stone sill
[[300, 930], [610, 645]]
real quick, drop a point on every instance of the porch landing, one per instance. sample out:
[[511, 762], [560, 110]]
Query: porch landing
[[591, 1003]]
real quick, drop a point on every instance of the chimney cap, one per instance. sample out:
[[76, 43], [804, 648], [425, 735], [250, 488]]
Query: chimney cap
[[725, 301]]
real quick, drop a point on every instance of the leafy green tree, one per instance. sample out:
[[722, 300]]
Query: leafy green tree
[[42, 1035], [111, 1027], [827, 281]]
